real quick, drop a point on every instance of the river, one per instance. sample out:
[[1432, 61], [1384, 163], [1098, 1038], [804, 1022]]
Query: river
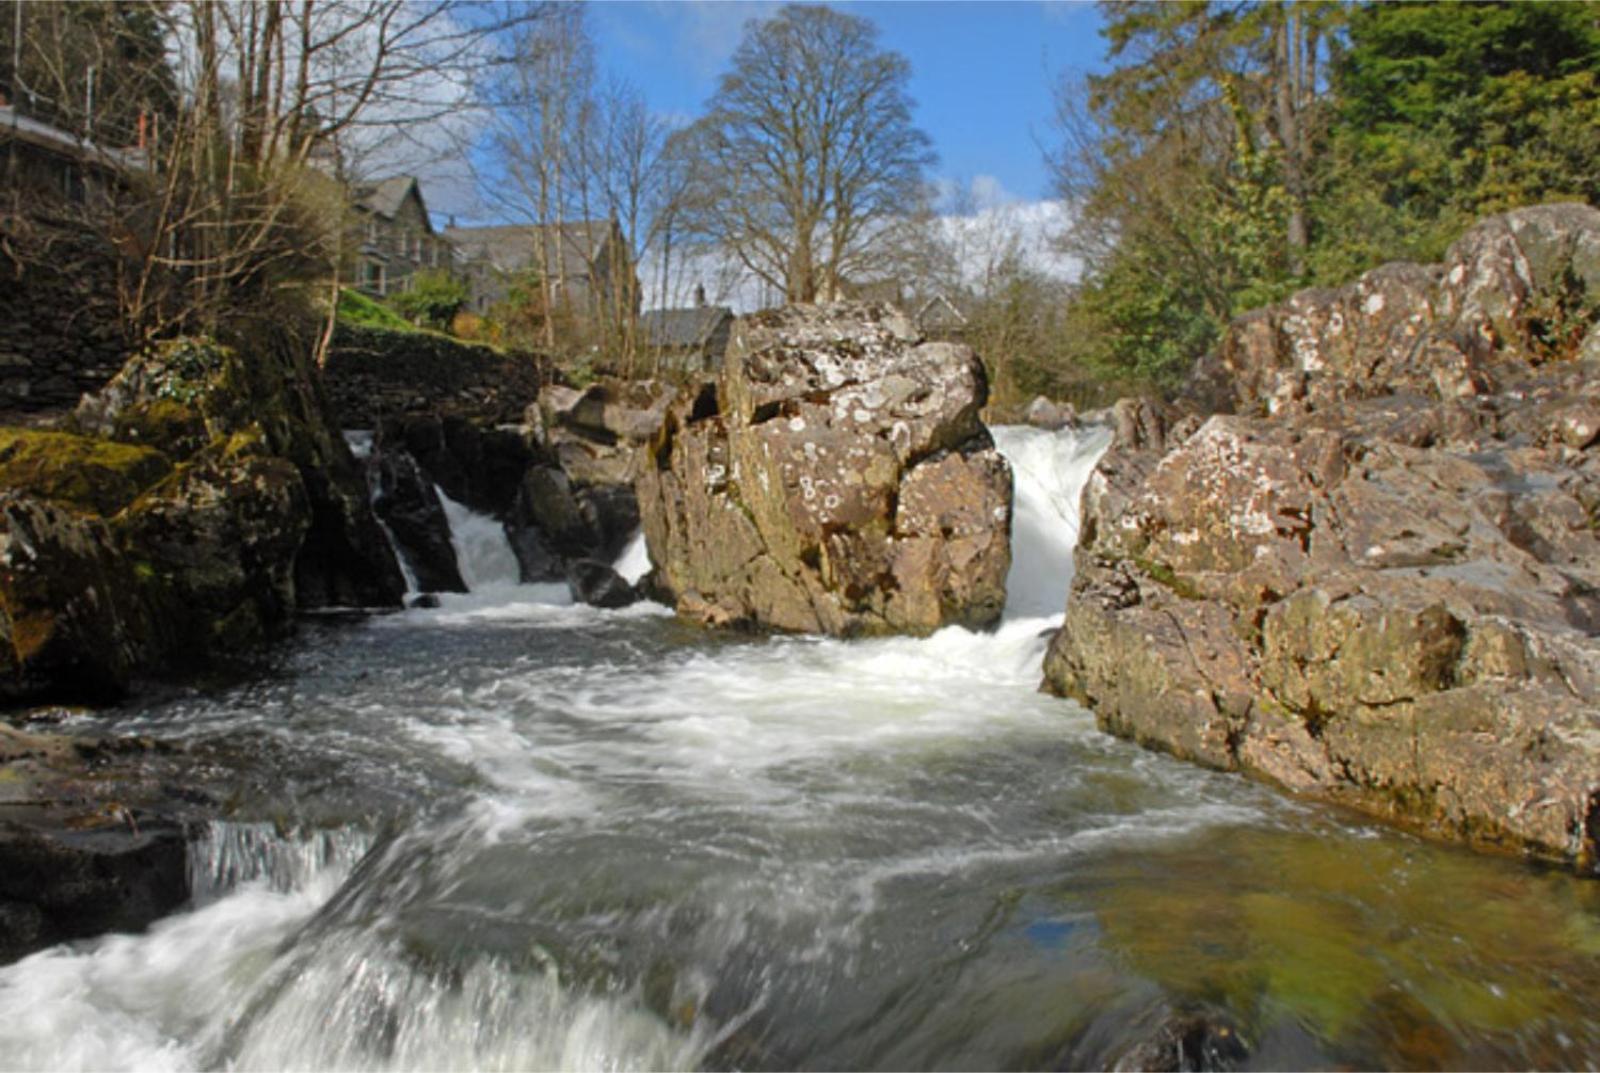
[[510, 833]]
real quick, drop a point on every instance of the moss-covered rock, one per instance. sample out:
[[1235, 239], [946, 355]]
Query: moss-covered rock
[[95, 475]]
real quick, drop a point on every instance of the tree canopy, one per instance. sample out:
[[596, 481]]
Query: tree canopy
[[808, 164], [1237, 151]]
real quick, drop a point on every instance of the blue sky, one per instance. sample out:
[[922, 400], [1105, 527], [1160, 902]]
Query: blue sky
[[982, 73]]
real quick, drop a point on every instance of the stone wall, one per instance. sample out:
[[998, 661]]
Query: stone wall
[[60, 332], [373, 374]]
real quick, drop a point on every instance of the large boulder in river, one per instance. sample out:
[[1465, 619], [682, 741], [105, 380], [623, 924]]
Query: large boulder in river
[[838, 480], [1377, 581]]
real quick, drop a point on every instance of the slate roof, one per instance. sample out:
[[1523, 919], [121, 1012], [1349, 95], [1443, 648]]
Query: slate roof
[[385, 196], [513, 247], [690, 327]]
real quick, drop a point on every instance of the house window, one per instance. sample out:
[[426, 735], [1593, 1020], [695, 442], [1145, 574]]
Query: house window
[[372, 229], [372, 277]]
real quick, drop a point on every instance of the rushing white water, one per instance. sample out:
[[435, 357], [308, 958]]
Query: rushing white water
[[621, 843], [634, 561], [483, 554], [1049, 471]]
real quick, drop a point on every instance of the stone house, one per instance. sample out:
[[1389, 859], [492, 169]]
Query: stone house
[[394, 237], [587, 262], [689, 340]]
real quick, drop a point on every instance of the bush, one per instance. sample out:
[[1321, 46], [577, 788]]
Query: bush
[[433, 299]]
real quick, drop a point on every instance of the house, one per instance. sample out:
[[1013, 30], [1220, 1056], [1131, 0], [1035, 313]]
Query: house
[[940, 318], [395, 238], [691, 340], [587, 264], [55, 166]]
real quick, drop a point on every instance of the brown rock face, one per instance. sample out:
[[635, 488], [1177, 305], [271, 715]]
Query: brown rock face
[[840, 482], [1387, 592]]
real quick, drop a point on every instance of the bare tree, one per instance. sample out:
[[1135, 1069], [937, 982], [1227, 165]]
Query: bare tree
[[235, 202], [811, 159], [540, 105]]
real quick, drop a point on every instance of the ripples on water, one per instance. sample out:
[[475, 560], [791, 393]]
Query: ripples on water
[[509, 833]]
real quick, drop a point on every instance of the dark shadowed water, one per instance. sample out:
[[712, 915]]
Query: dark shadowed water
[[512, 834]]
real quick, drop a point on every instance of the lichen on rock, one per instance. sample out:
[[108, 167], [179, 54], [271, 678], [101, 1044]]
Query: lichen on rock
[[1374, 577], [838, 480]]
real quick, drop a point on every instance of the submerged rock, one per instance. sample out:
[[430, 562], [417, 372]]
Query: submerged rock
[[839, 480], [1379, 581]]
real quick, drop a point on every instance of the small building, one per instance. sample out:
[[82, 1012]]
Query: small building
[[690, 340], [587, 264], [53, 166], [395, 240], [940, 318]]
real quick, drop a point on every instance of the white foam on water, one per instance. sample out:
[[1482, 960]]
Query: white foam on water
[[483, 553], [633, 563], [1049, 471]]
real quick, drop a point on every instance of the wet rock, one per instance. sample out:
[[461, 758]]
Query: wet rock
[[1377, 579], [93, 836], [595, 583], [1185, 1043], [254, 392], [204, 502], [409, 505], [843, 484], [72, 623], [1048, 414]]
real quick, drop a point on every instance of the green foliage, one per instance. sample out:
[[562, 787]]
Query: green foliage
[[1447, 112], [1191, 178], [434, 298], [357, 308]]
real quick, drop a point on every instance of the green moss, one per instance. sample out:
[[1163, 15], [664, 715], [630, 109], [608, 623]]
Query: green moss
[[1165, 576], [92, 475]]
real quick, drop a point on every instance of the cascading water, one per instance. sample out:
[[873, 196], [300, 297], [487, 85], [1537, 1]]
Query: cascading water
[[606, 840], [361, 443]]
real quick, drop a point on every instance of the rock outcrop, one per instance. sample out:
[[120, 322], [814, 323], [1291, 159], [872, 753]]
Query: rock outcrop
[[838, 480], [1375, 577], [204, 499], [93, 836]]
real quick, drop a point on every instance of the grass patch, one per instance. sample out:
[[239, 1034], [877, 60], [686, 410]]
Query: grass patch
[[357, 308]]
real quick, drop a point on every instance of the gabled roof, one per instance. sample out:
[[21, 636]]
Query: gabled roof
[[940, 312], [514, 247], [690, 327], [384, 197]]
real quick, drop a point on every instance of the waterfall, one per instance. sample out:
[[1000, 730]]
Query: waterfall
[[361, 441], [483, 554], [1049, 471], [634, 561]]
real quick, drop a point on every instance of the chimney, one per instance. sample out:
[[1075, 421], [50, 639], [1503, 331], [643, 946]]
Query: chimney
[[699, 295]]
